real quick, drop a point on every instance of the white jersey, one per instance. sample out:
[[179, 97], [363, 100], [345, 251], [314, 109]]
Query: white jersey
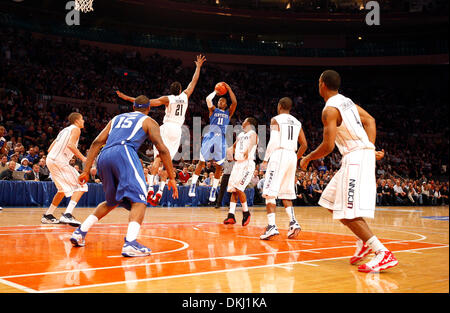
[[243, 144], [350, 135], [176, 110], [290, 129], [60, 152]]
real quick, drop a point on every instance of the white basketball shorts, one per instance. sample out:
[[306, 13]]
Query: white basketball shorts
[[65, 177], [351, 193], [241, 174], [279, 181]]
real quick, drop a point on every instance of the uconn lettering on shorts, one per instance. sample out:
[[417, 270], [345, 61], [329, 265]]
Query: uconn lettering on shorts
[[351, 193]]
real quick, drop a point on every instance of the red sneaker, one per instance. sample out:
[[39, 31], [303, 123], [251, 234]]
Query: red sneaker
[[150, 196], [230, 219], [382, 261], [361, 252], [155, 200], [245, 218]]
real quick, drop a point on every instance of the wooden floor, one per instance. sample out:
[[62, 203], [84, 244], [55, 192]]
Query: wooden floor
[[193, 252]]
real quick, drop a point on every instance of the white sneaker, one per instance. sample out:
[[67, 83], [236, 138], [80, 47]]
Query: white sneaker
[[294, 229], [212, 194], [271, 230], [191, 191], [134, 249], [68, 218]]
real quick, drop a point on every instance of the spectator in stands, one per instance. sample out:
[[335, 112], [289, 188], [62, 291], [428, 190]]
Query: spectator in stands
[[3, 163], [208, 180], [34, 174], [184, 176], [43, 169], [399, 194], [24, 166], [315, 191], [8, 173], [32, 156], [322, 168], [444, 195]]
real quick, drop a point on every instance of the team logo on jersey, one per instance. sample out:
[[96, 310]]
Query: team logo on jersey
[[351, 193]]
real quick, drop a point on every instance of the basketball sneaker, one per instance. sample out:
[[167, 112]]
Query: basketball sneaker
[[230, 219], [191, 191], [134, 249], [49, 219], [155, 199], [245, 218], [362, 250], [77, 238], [150, 196], [271, 230], [294, 229], [68, 218], [381, 261], [212, 194]]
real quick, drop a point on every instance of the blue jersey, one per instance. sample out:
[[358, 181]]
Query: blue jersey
[[119, 167], [221, 119], [126, 129]]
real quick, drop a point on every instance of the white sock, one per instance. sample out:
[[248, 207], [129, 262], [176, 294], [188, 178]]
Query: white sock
[[290, 212], [51, 209], [151, 178], [161, 186], [88, 223], [232, 207], [244, 207], [194, 179], [375, 244], [70, 207], [215, 182], [133, 231], [271, 218]]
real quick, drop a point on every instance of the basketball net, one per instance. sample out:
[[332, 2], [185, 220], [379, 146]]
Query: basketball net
[[84, 5]]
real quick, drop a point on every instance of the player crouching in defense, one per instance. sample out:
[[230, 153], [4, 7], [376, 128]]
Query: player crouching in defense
[[281, 163], [244, 154]]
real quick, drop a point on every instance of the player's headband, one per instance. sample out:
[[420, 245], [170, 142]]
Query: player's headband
[[142, 105]]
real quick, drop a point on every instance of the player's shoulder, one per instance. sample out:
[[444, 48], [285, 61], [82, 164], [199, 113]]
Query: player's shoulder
[[338, 101]]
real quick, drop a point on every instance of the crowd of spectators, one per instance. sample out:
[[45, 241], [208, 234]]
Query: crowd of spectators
[[410, 112]]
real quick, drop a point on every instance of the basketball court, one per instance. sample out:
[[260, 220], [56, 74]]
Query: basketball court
[[194, 252]]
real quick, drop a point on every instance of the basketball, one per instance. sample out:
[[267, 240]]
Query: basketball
[[220, 88]]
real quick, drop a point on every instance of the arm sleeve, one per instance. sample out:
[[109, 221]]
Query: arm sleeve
[[209, 99]]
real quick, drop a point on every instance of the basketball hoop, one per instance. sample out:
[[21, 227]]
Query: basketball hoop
[[84, 5]]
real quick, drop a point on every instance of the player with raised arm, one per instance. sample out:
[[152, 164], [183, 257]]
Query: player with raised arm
[[244, 150], [65, 176], [176, 105], [214, 144], [121, 172], [281, 162], [351, 193]]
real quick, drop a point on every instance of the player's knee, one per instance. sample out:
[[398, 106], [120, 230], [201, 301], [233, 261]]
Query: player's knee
[[271, 201]]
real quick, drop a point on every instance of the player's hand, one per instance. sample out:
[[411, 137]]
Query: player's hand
[[200, 60], [83, 178], [379, 154], [172, 185], [304, 163], [83, 159], [120, 94]]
